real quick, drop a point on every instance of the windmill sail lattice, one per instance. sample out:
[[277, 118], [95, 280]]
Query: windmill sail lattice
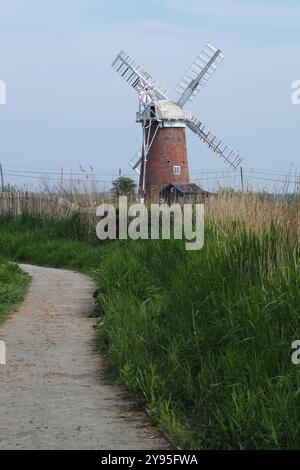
[[232, 158], [135, 162], [137, 77], [199, 72]]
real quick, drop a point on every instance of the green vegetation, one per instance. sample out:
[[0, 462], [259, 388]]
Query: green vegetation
[[202, 338], [8, 188], [49, 242], [13, 283], [123, 186]]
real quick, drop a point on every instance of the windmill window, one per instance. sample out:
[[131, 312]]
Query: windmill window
[[176, 170]]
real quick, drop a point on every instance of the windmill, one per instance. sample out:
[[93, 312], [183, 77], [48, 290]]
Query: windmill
[[163, 157]]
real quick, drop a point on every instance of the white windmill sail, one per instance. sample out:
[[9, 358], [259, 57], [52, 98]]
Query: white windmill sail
[[135, 162], [137, 77], [199, 72], [232, 158]]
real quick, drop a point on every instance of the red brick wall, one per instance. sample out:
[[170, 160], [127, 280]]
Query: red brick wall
[[168, 149]]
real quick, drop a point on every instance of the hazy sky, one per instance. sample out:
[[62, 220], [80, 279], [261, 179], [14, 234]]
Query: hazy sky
[[65, 104]]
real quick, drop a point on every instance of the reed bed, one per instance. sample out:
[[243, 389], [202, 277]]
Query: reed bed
[[203, 338]]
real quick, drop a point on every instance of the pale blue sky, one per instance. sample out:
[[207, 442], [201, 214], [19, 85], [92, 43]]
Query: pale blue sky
[[65, 104]]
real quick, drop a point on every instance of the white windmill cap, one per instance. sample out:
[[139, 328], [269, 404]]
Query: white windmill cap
[[171, 111]]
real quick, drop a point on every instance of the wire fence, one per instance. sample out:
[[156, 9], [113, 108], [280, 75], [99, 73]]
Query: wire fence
[[96, 179]]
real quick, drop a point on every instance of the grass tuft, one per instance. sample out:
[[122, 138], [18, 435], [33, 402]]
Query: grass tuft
[[13, 283]]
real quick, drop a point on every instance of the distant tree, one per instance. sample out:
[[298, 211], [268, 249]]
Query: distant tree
[[123, 186], [9, 188]]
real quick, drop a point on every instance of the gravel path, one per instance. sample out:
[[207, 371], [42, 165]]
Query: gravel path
[[52, 395]]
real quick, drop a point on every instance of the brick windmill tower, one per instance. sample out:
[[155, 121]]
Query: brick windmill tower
[[163, 158]]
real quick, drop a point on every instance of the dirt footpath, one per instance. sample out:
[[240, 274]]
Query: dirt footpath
[[52, 395]]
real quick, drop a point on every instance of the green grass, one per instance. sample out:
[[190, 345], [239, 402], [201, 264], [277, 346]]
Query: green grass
[[49, 243], [202, 338], [13, 283]]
